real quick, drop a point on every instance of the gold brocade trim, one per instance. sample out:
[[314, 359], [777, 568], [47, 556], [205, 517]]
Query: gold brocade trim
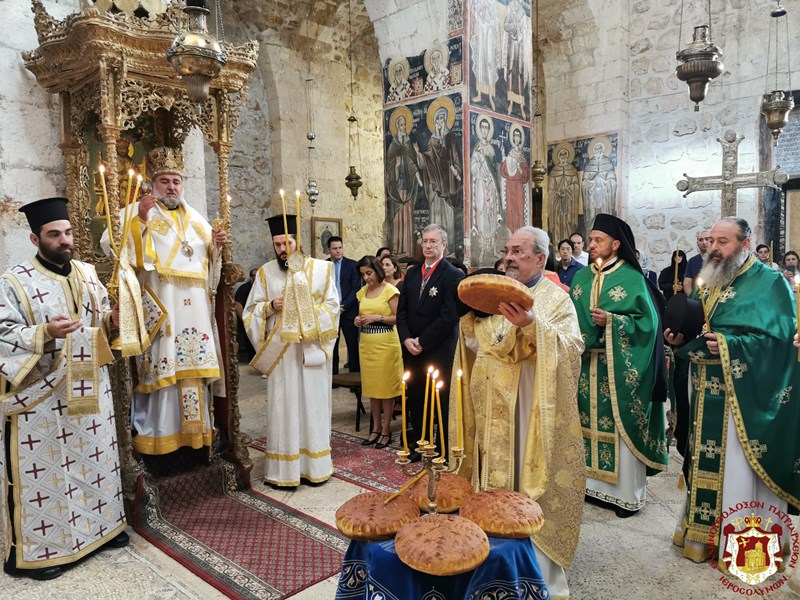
[[594, 435], [173, 379], [597, 281], [183, 278], [82, 371], [164, 445], [303, 451], [295, 483], [19, 506], [136, 237], [739, 422], [615, 406], [38, 336]]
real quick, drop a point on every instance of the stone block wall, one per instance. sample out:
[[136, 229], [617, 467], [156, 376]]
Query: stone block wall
[[610, 66]]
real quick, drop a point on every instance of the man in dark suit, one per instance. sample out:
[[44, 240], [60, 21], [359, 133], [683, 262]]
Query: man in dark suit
[[347, 284], [427, 322]]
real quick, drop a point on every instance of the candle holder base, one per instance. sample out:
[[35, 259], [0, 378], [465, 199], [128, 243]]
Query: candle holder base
[[433, 464]]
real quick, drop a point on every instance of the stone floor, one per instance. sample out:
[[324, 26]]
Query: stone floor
[[617, 559]]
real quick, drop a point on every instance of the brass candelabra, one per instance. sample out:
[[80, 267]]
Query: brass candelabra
[[432, 463]]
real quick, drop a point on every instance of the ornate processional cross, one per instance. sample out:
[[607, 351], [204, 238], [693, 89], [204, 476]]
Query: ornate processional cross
[[731, 180]]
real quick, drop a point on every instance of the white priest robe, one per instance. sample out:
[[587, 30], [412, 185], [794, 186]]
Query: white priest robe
[[294, 349], [55, 401], [178, 268]]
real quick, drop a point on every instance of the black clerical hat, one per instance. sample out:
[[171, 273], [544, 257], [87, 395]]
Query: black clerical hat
[[619, 230], [276, 225], [47, 210], [684, 315]]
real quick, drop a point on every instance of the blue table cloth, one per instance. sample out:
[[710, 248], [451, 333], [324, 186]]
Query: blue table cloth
[[373, 571]]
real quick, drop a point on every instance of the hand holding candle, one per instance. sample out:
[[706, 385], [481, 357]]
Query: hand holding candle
[[598, 282], [406, 375], [701, 294]]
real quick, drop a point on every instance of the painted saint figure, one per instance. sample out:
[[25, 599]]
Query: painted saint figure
[[515, 172], [436, 59], [399, 88], [402, 181], [440, 164], [517, 31], [484, 48], [565, 192], [599, 185], [485, 188]]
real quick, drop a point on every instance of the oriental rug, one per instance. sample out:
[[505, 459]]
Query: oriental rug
[[211, 522], [367, 466]]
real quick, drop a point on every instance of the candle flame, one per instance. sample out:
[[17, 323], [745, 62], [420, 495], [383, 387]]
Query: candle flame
[[406, 375], [440, 385], [699, 282], [102, 168], [459, 374], [599, 262], [297, 193], [435, 374], [130, 172], [430, 369], [139, 178], [281, 192]]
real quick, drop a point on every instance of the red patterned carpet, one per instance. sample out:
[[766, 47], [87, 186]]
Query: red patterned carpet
[[362, 465], [207, 519]]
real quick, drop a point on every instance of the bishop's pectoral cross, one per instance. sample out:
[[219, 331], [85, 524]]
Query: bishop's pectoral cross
[[731, 180]]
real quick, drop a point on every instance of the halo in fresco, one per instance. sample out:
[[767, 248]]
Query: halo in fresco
[[447, 104], [601, 139], [401, 111], [478, 122], [564, 146], [445, 52]]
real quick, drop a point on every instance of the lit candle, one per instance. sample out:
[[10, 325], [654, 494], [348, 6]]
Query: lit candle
[[102, 170], [675, 275], [703, 303], [797, 302], [297, 216], [285, 226], [434, 377], [443, 453], [406, 375], [598, 282], [425, 405], [459, 422], [139, 180]]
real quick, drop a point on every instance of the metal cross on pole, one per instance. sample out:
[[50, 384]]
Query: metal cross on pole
[[731, 180]]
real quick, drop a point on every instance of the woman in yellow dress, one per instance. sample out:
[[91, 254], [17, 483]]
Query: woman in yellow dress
[[379, 347]]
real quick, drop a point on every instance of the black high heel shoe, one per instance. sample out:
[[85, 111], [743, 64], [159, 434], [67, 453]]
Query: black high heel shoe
[[370, 441], [388, 437]]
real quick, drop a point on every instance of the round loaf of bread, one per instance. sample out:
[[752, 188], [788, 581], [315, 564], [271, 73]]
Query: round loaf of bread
[[504, 513], [485, 292], [442, 545], [451, 491], [366, 518]]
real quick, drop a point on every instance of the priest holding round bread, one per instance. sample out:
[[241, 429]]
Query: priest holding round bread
[[521, 429]]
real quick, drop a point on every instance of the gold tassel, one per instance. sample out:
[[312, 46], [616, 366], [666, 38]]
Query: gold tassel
[[681, 482]]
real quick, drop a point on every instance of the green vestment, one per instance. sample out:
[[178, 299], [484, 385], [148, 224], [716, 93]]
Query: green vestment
[[755, 378], [618, 371]]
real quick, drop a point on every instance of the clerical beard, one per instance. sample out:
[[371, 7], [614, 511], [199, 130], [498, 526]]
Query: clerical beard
[[721, 273], [282, 261], [170, 203]]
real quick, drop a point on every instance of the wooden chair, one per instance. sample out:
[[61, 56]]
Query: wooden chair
[[352, 381]]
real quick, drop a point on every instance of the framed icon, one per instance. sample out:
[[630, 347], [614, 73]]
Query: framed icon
[[322, 229]]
